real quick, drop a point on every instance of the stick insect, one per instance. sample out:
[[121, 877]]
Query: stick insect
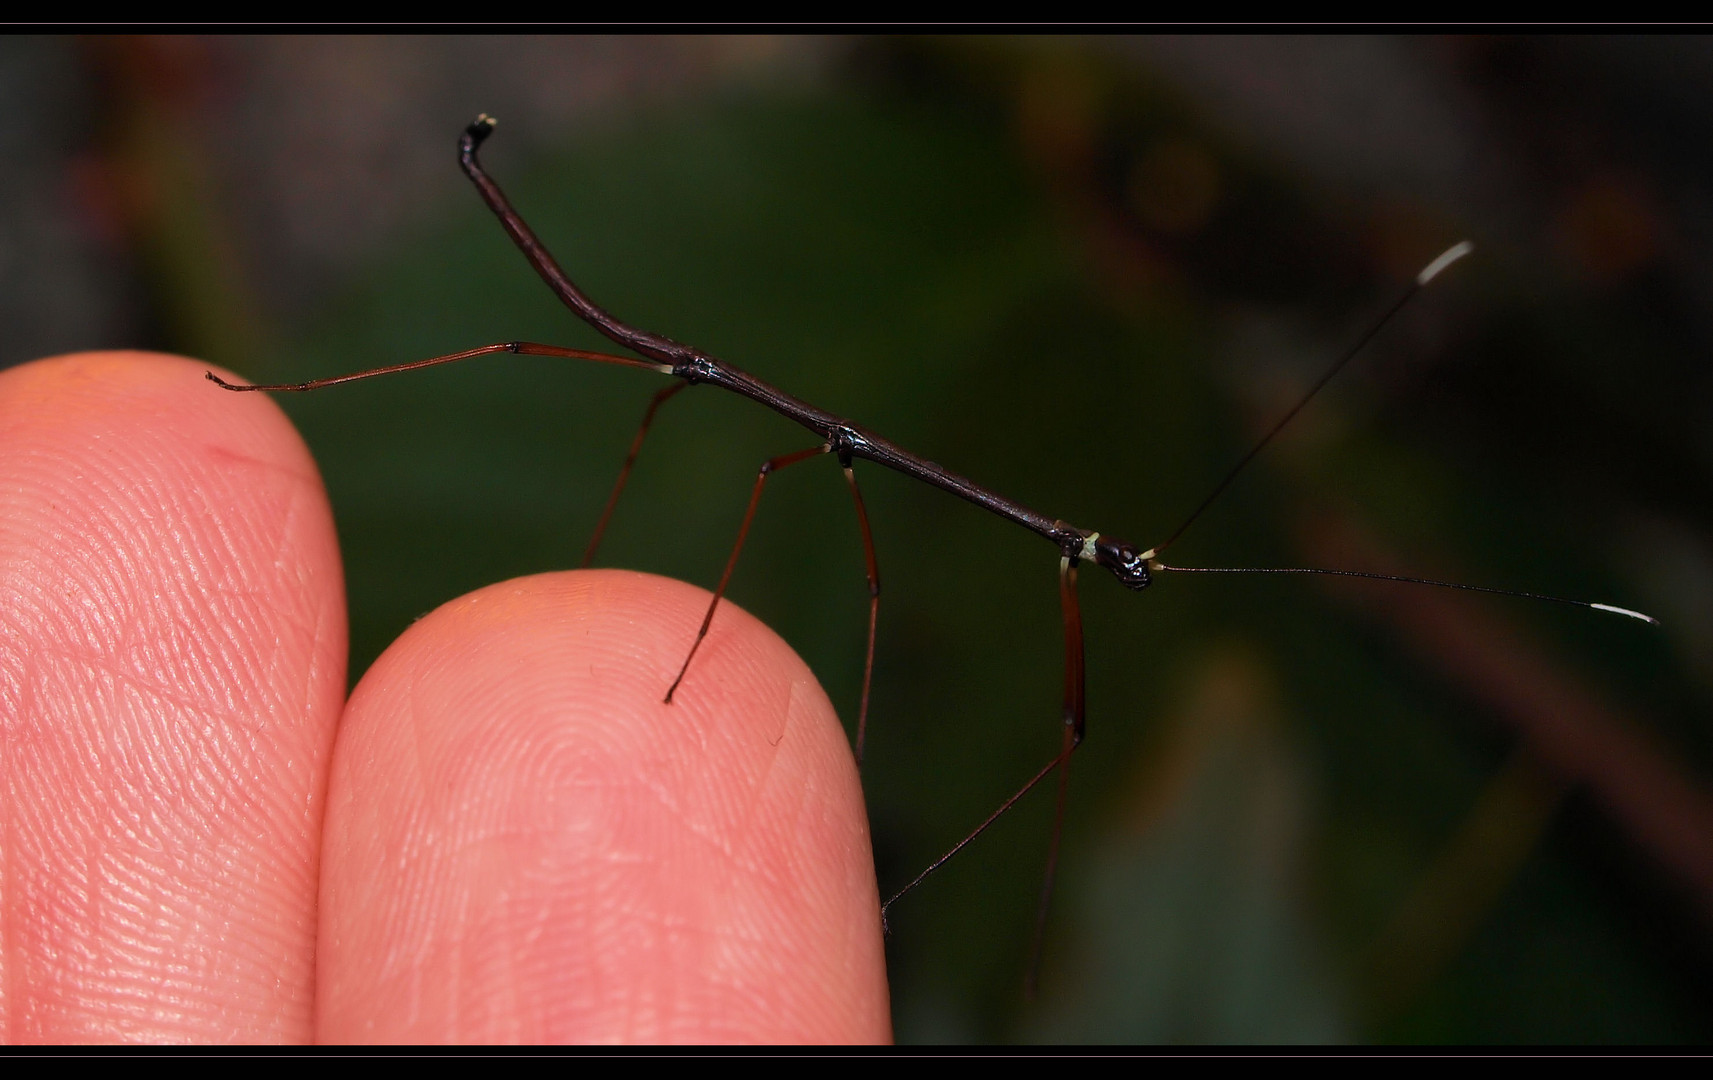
[[1135, 567]]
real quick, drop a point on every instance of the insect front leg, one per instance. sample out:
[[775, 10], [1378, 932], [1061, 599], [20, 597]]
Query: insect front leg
[[1074, 716]]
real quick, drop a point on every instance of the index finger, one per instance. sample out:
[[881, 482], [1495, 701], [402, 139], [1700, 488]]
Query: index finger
[[525, 843]]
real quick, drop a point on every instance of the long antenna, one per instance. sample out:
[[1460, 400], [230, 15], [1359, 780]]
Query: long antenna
[[1155, 564], [1428, 273]]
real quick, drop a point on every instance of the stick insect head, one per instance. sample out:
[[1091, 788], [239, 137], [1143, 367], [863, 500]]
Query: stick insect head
[[1127, 564]]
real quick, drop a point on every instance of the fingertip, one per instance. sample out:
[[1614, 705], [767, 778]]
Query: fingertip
[[172, 671], [513, 802]]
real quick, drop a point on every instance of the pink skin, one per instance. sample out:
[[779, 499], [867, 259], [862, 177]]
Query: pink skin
[[504, 835]]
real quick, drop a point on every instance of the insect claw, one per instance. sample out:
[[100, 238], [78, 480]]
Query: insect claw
[[223, 384]]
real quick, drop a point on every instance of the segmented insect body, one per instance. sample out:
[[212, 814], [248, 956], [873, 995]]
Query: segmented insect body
[[849, 443]]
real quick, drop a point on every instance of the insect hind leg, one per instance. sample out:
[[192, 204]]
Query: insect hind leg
[[660, 398]]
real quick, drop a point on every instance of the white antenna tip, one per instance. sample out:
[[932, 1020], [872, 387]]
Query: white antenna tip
[[1649, 619], [1449, 256]]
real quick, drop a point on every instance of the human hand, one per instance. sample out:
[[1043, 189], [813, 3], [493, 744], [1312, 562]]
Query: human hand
[[504, 835]]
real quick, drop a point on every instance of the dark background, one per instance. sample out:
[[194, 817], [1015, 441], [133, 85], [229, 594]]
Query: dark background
[[1086, 273]]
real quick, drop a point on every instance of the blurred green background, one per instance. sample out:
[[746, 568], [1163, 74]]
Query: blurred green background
[[1086, 273]]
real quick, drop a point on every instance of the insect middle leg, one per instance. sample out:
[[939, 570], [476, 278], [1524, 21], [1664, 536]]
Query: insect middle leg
[[871, 566], [768, 468], [873, 569]]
